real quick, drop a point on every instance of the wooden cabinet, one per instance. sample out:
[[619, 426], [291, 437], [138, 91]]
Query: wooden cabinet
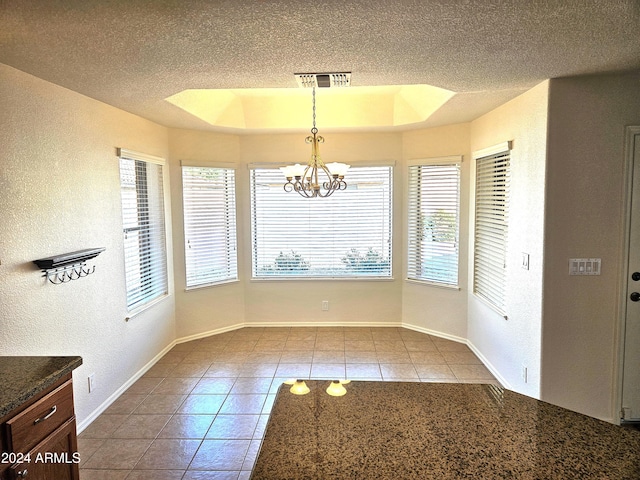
[[53, 458], [38, 439]]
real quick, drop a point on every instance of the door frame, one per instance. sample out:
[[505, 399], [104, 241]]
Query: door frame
[[631, 133]]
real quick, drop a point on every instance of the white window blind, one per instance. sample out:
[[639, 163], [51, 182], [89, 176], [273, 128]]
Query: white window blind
[[209, 202], [491, 228], [141, 183], [345, 235], [433, 223]]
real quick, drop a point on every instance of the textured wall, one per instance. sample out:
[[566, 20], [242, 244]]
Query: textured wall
[[432, 308], [206, 309], [349, 301], [584, 218], [218, 307], [60, 187], [509, 344], [60, 192]]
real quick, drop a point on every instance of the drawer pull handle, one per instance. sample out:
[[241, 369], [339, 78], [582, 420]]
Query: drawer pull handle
[[48, 415], [22, 473]]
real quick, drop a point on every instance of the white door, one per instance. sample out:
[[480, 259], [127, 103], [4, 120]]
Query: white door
[[631, 362]]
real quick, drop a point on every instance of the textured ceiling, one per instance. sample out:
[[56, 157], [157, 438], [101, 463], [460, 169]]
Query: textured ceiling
[[134, 54]]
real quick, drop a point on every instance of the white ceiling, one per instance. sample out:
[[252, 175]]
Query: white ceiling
[[133, 54]]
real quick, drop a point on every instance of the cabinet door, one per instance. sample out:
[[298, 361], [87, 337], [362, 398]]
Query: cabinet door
[[54, 458]]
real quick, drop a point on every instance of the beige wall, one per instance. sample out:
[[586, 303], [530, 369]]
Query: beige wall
[[584, 218], [507, 345], [60, 185], [208, 309], [351, 302], [299, 302], [426, 307]]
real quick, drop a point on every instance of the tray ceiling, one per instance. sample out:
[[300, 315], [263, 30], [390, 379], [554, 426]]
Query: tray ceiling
[[136, 54]]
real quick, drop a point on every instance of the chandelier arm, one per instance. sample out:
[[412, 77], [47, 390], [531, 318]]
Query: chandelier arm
[[306, 193], [306, 175], [303, 189], [326, 194], [330, 184]]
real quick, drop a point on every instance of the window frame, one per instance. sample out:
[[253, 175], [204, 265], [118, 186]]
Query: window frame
[[329, 277], [230, 226], [493, 292], [414, 208], [162, 269]]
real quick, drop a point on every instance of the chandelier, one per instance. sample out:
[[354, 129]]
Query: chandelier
[[315, 179]]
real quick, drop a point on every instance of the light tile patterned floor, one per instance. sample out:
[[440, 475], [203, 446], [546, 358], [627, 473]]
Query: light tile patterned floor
[[201, 411]]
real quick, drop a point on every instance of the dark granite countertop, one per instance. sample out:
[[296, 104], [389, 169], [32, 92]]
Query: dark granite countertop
[[394, 430], [23, 377]]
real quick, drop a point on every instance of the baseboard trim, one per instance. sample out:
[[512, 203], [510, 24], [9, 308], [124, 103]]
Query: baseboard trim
[[434, 333], [323, 324], [115, 395], [209, 333], [107, 403], [237, 326], [494, 371]]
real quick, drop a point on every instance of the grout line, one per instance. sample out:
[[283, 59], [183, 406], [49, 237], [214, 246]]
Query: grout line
[[218, 350]]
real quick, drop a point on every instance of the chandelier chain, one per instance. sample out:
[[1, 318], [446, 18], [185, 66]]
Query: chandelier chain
[[314, 108]]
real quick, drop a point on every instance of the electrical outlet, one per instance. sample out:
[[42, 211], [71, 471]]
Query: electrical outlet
[[92, 382], [325, 305], [524, 373]]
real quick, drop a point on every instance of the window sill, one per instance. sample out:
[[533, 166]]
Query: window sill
[[143, 308], [426, 283], [322, 279], [209, 285]]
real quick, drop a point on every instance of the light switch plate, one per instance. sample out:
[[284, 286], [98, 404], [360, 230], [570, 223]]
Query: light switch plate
[[584, 266]]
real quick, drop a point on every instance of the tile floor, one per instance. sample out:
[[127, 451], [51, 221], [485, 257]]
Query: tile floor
[[201, 411]]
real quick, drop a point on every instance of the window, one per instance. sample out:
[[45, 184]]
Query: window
[[145, 253], [345, 235], [433, 211], [491, 225], [209, 225]]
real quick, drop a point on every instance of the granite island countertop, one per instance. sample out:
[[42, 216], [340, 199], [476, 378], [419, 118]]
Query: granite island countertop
[[396, 430], [21, 378]]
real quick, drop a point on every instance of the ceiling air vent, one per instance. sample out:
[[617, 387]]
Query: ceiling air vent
[[308, 80]]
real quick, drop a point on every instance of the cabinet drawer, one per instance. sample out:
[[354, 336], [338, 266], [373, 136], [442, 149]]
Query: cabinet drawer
[[55, 458], [36, 422]]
